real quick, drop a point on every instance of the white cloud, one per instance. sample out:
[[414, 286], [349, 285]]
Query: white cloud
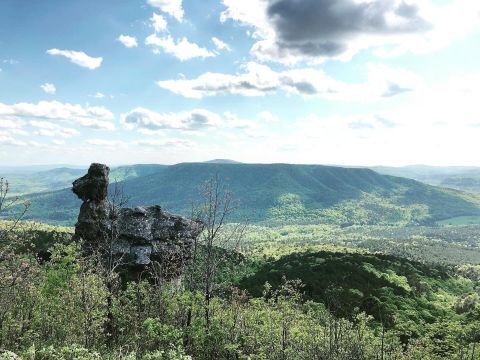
[[268, 116], [390, 28], [148, 121], [90, 117], [49, 88], [220, 45], [260, 80], [233, 121], [78, 57], [181, 49], [250, 13], [171, 7], [438, 124], [98, 95], [11, 124], [158, 22], [49, 129], [6, 139], [58, 142], [128, 41], [8, 127]]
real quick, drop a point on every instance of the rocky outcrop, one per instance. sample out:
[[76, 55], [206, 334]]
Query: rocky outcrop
[[94, 225], [136, 236]]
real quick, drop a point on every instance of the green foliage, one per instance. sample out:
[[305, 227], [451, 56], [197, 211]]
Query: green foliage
[[60, 312], [325, 291], [69, 352], [453, 245], [390, 289]]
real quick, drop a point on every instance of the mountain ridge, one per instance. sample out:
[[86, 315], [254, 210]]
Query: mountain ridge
[[278, 192]]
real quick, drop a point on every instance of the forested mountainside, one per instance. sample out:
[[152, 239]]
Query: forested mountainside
[[277, 192]]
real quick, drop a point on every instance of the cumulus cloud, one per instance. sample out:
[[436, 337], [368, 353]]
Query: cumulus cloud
[[181, 49], [260, 80], [91, 117], [11, 124], [220, 45], [234, 121], [311, 30], [158, 22], [49, 129], [172, 7], [256, 80], [7, 139], [150, 121], [447, 109], [128, 41], [49, 88], [78, 57]]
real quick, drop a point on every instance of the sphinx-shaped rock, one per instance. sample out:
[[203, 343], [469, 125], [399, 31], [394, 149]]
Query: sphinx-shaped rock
[[94, 226], [94, 185], [137, 235]]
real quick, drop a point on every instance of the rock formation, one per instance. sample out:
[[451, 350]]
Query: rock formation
[[136, 236]]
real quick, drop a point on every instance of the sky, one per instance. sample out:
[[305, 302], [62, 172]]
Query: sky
[[346, 82]]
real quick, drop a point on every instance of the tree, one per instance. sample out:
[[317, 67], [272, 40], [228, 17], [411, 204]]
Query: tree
[[14, 269], [213, 249], [12, 210], [108, 257]]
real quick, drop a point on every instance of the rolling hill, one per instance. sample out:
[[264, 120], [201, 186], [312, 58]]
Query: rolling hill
[[465, 178], [277, 193], [393, 290], [25, 180]]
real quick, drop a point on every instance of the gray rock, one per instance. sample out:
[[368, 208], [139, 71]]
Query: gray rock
[[140, 235], [94, 185]]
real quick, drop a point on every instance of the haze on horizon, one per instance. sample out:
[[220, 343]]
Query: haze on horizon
[[346, 82]]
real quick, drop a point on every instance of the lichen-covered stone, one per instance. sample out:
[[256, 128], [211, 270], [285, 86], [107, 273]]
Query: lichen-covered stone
[[138, 235]]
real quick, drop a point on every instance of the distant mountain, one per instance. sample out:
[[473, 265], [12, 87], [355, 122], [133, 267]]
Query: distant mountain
[[278, 193], [466, 178], [127, 172], [47, 180], [222, 161], [26, 180], [11, 170], [466, 182]]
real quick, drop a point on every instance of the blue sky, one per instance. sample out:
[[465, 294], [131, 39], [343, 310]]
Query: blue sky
[[351, 82]]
